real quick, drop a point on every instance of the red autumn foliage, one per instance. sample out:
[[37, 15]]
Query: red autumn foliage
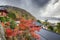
[[23, 26], [9, 32], [3, 24], [31, 27], [35, 35], [8, 23]]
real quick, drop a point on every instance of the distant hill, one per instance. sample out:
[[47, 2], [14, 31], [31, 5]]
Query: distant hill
[[50, 18], [18, 12]]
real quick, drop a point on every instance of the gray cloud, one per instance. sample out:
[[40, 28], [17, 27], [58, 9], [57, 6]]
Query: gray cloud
[[52, 9], [40, 3]]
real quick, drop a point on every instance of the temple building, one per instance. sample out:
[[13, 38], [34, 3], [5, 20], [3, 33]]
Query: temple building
[[3, 12]]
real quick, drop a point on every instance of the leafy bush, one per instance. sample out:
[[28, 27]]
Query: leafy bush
[[12, 15]]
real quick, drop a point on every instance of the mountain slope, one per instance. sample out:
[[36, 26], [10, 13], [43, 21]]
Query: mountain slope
[[18, 12]]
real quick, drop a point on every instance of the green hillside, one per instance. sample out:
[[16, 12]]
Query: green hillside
[[19, 12]]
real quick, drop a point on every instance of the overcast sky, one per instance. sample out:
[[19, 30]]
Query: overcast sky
[[33, 6], [38, 8]]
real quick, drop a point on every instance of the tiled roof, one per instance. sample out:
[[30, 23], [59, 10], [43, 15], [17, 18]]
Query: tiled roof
[[48, 35]]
